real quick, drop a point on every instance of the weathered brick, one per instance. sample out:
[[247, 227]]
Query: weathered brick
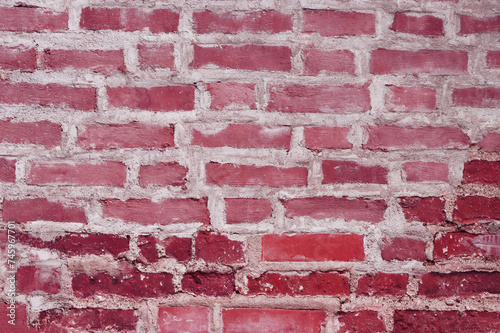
[[313, 247], [337, 23], [490, 142], [218, 248], [323, 137], [409, 99], [471, 209], [425, 209], [231, 94], [168, 98], [425, 25], [329, 61], [426, 171], [378, 284], [352, 172], [401, 248], [459, 284], [477, 97], [102, 61], [26, 210], [462, 244], [474, 25], [161, 56], [209, 284], [493, 59], [361, 321], [243, 210], [174, 247], [32, 278], [20, 57], [41, 133], [31, 19], [7, 170], [184, 319], [164, 173], [482, 172]]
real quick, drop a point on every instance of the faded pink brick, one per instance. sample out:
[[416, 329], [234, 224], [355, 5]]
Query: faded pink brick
[[319, 99], [164, 173], [168, 98], [184, 319], [243, 136], [337, 23], [426, 171], [329, 61], [161, 56], [493, 59], [490, 142], [7, 170], [26, 210], [21, 57], [408, 99], [323, 137], [352, 172], [401, 248], [41, 133], [461, 244], [94, 60], [477, 97], [30, 19], [475, 25], [231, 94], [243, 210], [425, 25], [32, 278]]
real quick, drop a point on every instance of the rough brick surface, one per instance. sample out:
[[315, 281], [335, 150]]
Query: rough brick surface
[[461, 244], [31, 279], [459, 284], [242, 210], [338, 23], [336, 61], [26, 210], [477, 97], [40, 133], [410, 99], [361, 321], [95, 60], [189, 319], [170, 98], [475, 208], [425, 25], [426, 171], [323, 137], [401, 248], [156, 56], [7, 170], [382, 284], [352, 172], [429, 209], [12, 58], [32, 19]]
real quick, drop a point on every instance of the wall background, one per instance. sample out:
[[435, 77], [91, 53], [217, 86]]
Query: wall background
[[251, 166]]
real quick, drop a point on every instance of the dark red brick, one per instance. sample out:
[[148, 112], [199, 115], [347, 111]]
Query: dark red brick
[[426, 209], [217, 248], [209, 284], [378, 284]]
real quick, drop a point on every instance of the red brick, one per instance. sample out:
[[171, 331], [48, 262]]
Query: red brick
[[319, 99], [446, 321], [361, 322], [378, 284], [87, 319], [147, 249], [394, 137], [475, 25], [243, 136], [146, 212], [323, 137], [471, 209], [247, 320], [16, 310], [209, 284], [462, 244], [133, 135], [184, 319], [131, 283], [230, 94], [32, 278], [352, 172], [313, 247], [94, 60], [425, 25], [477, 97], [161, 56], [330, 207], [110, 173], [169, 98], [493, 59], [312, 284], [401, 248], [490, 142], [251, 175], [329, 61], [26, 210], [7, 170], [28, 19], [163, 174], [21, 57], [74, 244], [426, 209], [459, 284], [409, 99], [270, 21], [248, 57], [243, 210], [48, 95], [174, 247], [129, 19], [482, 172], [435, 62], [42, 133], [332, 23], [217, 248], [426, 171]]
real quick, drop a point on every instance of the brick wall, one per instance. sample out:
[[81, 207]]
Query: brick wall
[[251, 166]]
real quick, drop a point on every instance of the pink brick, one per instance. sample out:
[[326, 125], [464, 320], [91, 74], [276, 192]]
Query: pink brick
[[26, 210], [30, 19], [409, 99], [401, 248], [394, 137], [378, 284], [243, 136], [463, 284], [161, 56], [105, 173], [270, 21], [168, 98], [243, 210], [7, 170], [231, 94], [95, 60], [462, 244], [323, 137], [475, 25], [490, 142], [477, 97], [482, 172], [336, 23], [146, 212], [425, 25], [313, 247], [48, 95], [31, 278], [330, 207], [184, 319], [493, 59], [133, 135], [329, 61], [352, 172], [248, 57], [361, 321], [164, 173], [251, 175], [319, 99], [472, 209], [42, 133], [218, 248], [247, 320], [425, 209], [13, 58], [426, 171], [435, 62], [129, 19]]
